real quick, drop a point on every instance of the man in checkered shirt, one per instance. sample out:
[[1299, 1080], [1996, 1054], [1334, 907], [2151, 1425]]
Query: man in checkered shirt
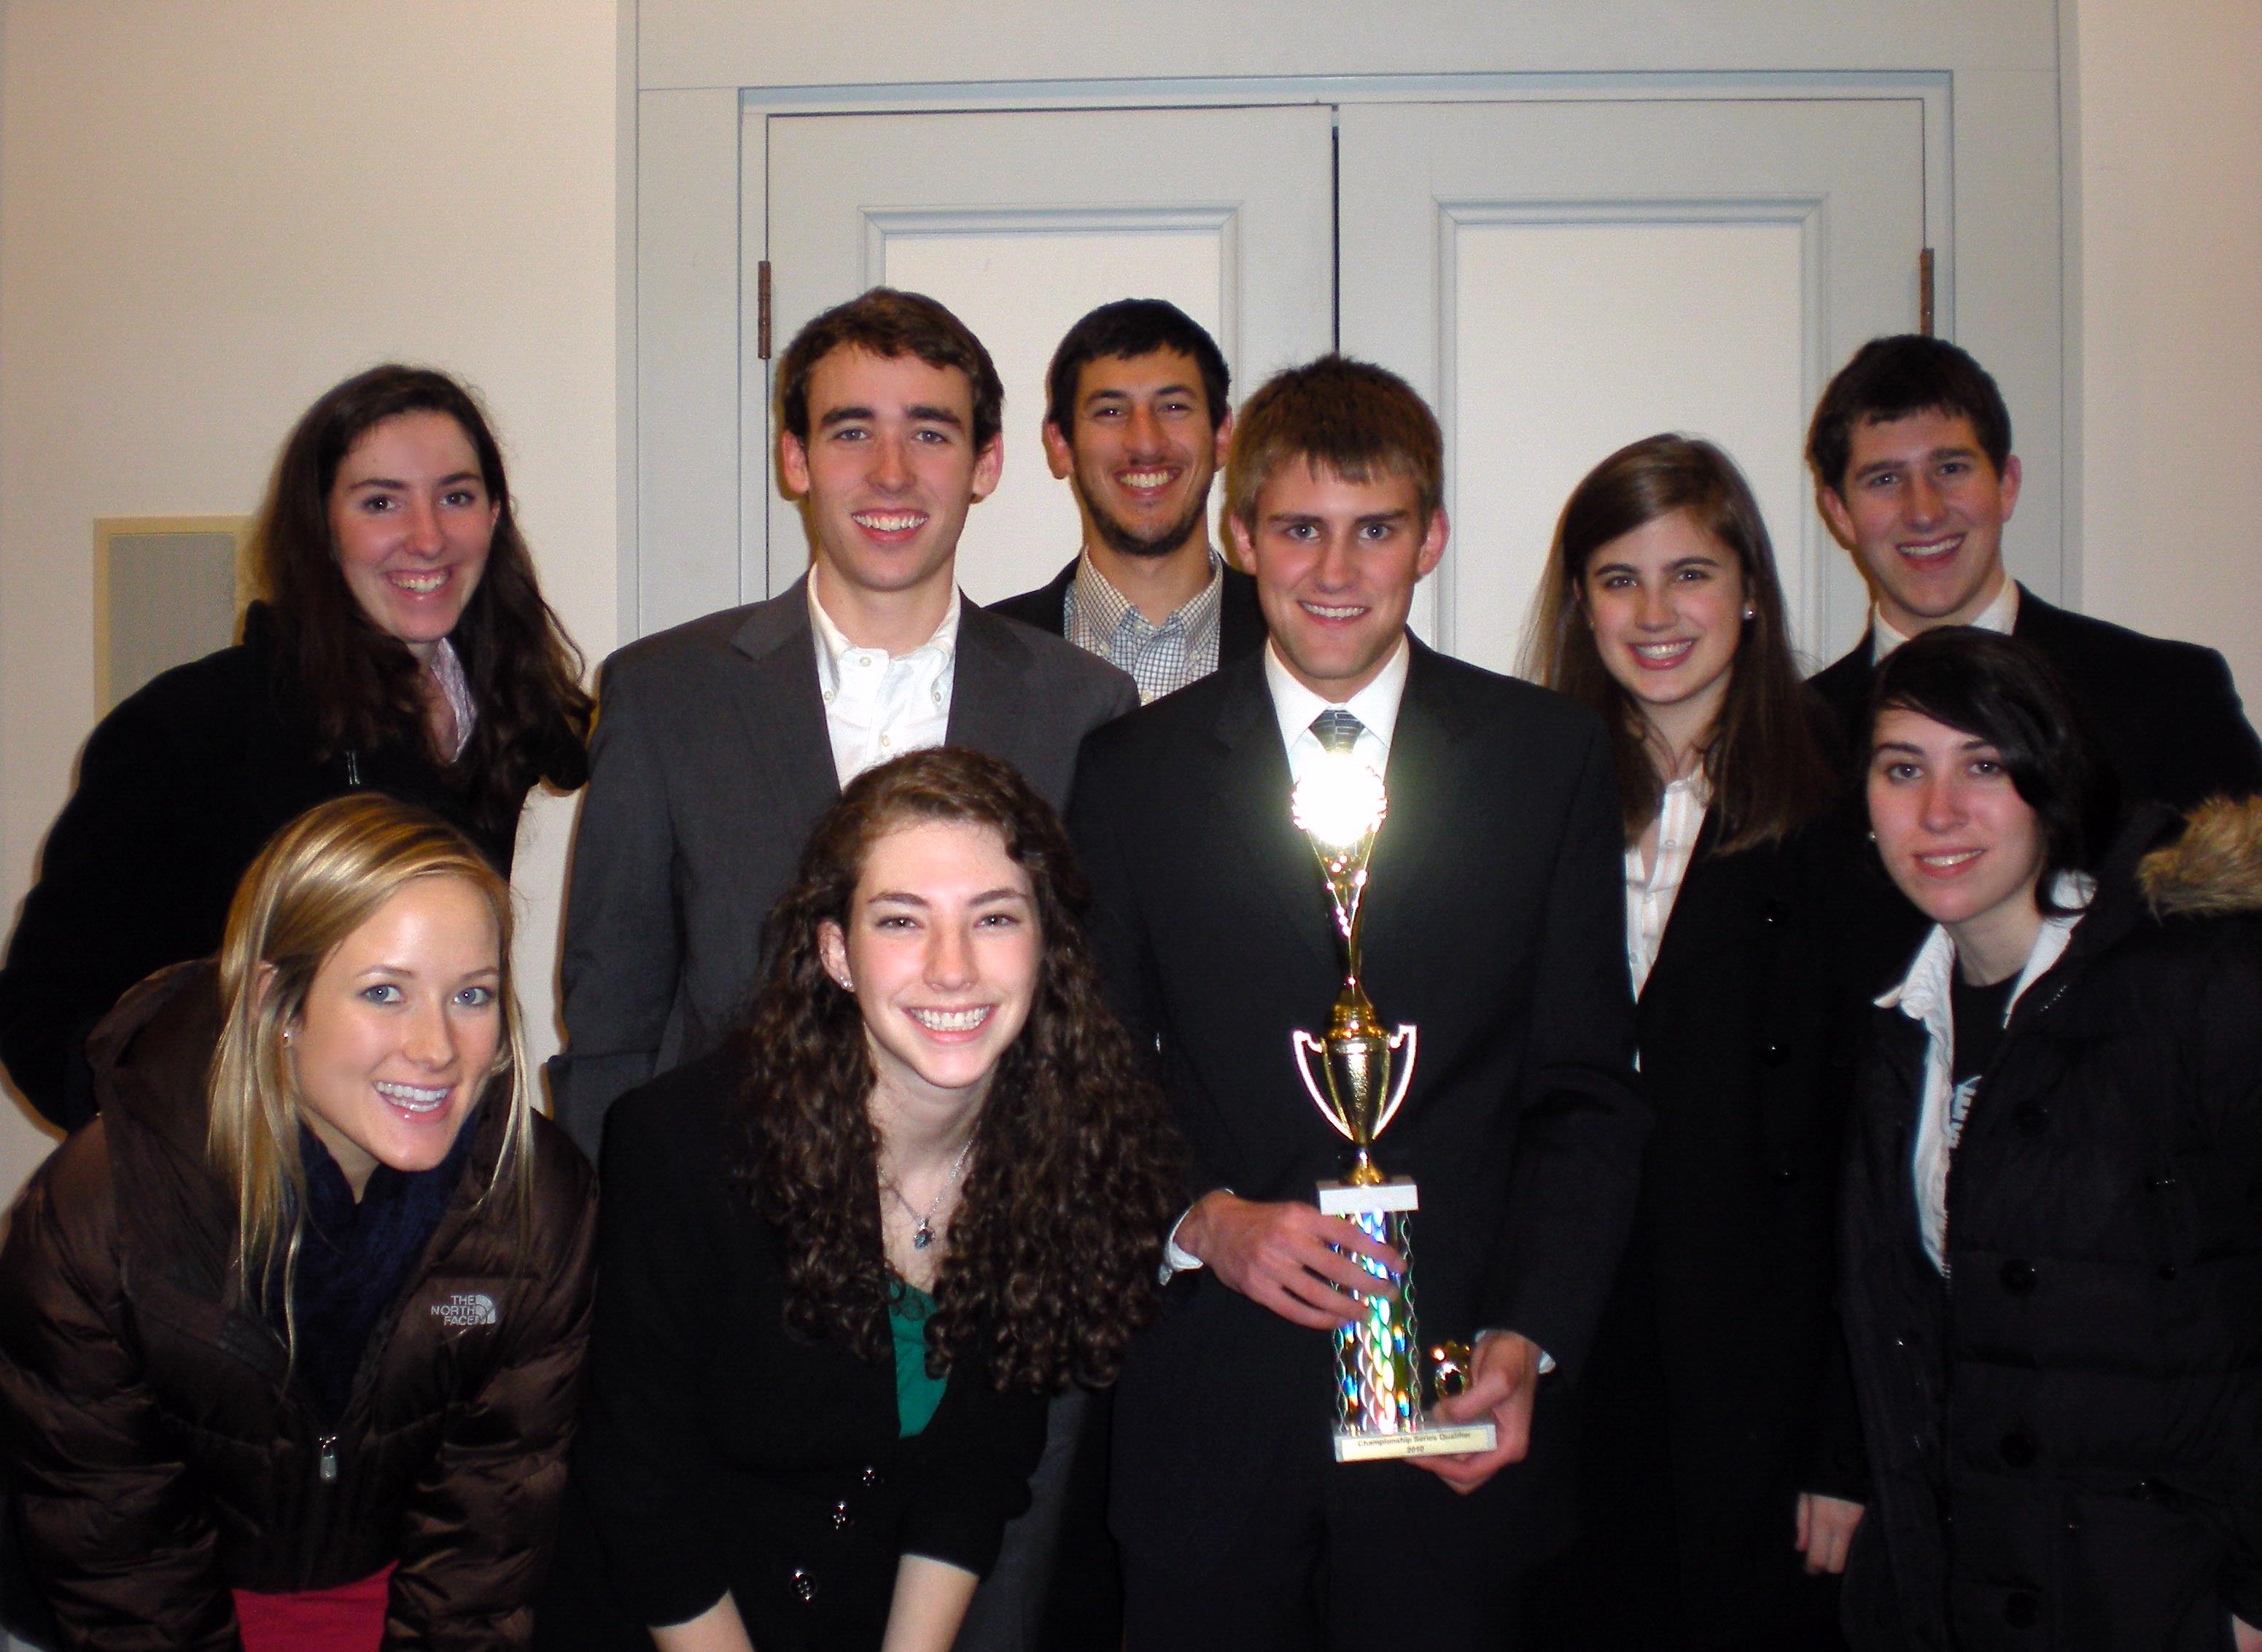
[[1136, 420]]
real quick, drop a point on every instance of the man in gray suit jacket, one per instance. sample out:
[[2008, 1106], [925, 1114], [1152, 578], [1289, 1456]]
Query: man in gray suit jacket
[[719, 743]]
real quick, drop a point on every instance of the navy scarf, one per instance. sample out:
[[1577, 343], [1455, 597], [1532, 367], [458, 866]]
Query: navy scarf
[[355, 1258]]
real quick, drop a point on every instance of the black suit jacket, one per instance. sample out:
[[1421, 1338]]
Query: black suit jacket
[[2166, 713], [1494, 923], [1716, 1391], [1240, 622], [718, 1448]]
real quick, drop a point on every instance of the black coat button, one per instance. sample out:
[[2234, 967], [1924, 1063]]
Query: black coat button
[[804, 1587], [842, 1519], [2032, 1116], [2020, 1609], [2018, 1449], [1775, 1054], [2018, 1278], [870, 1475], [2159, 1184], [2168, 1271], [1786, 1176]]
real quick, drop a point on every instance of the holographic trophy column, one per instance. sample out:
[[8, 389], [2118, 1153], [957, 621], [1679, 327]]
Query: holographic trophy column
[[1362, 1074]]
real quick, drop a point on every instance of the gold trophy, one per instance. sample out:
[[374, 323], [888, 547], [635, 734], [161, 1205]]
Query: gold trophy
[[1364, 1072]]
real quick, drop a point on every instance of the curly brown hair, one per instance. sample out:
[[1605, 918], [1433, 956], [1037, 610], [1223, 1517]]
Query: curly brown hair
[[1072, 1179]]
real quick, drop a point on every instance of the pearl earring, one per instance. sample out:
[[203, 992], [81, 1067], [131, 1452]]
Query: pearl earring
[[1751, 613]]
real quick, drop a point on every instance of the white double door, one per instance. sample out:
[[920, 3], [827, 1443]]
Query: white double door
[[1557, 277]]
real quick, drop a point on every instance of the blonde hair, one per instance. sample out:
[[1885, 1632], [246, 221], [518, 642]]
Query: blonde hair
[[322, 878]]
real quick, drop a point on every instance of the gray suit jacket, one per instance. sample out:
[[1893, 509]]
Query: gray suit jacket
[[711, 765]]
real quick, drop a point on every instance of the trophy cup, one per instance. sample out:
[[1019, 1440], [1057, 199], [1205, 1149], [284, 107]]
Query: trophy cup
[[1364, 1072]]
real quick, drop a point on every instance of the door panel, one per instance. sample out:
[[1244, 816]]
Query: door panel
[[1020, 222], [1561, 278]]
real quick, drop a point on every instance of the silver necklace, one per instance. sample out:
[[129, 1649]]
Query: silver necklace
[[924, 1235]]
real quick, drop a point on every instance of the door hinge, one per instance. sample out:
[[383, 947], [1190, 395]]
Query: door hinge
[[1923, 298], [762, 305]]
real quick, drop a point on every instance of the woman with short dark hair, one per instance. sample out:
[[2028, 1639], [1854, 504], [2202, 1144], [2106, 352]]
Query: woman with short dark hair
[[2053, 1224], [845, 1259], [403, 647]]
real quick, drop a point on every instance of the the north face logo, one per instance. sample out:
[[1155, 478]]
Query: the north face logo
[[465, 1308]]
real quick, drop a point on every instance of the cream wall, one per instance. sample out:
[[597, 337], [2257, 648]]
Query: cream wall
[[211, 211], [2171, 328]]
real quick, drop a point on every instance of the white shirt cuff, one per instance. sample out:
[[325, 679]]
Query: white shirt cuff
[[1176, 1258]]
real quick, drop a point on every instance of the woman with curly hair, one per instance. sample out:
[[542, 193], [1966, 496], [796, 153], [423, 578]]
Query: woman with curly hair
[[403, 647], [845, 1259]]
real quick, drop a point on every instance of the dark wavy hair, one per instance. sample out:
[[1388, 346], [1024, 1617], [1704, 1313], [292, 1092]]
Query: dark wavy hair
[[357, 682], [887, 322], [1893, 377], [1072, 1179], [1125, 330], [1765, 764], [2002, 691]]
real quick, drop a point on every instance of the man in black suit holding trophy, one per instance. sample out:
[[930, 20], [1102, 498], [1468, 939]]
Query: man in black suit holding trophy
[[1493, 923]]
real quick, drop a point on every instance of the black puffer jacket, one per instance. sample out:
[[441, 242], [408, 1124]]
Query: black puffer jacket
[[159, 1454], [2067, 1438]]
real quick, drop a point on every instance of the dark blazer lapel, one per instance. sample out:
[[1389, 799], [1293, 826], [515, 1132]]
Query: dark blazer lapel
[[988, 686], [1673, 949], [780, 704], [1424, 841], [1252, 790]]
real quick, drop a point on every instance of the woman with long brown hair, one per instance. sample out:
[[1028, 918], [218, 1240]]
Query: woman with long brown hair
[[845, 1259], [1705, 1438], [402, 647]]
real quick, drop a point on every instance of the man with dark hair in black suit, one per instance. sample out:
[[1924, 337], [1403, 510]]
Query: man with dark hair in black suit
[[1494, 923], [1911, 448], [1136, 422]]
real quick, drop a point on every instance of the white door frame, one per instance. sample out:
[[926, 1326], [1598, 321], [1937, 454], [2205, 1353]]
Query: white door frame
[[708, 73]]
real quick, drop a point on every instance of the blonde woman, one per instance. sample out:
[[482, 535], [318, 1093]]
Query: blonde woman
[[289, 1336]]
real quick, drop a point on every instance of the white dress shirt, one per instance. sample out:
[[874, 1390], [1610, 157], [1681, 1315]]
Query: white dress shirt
[[1924, 996], [1375, 706], [1652, 890], [447, 671], [1998, 617], [1160, 658], [879, 706]]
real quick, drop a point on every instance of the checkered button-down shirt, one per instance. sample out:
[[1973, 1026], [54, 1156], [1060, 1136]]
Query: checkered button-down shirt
[[1161, 659]]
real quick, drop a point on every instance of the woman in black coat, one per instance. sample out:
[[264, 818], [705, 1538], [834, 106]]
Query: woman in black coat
[[403, 647], [1710, 1487], [845, 1259], [2053, 1224]]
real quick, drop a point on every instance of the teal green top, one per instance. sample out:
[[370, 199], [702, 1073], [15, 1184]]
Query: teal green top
[[916, 1394]]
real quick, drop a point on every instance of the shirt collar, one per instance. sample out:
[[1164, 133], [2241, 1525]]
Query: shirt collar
[[1998, 617], [1099, 608], [1376, 705], [447, 671], [832, 643], [1923, 994]]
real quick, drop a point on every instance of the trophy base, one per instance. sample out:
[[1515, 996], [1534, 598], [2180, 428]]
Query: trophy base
[[1349, 1198], [1430, 1440]]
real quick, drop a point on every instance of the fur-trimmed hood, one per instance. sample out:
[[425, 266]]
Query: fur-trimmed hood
[[2215, 868]]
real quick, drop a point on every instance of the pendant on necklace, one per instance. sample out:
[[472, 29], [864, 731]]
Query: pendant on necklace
[[924, 1238]]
